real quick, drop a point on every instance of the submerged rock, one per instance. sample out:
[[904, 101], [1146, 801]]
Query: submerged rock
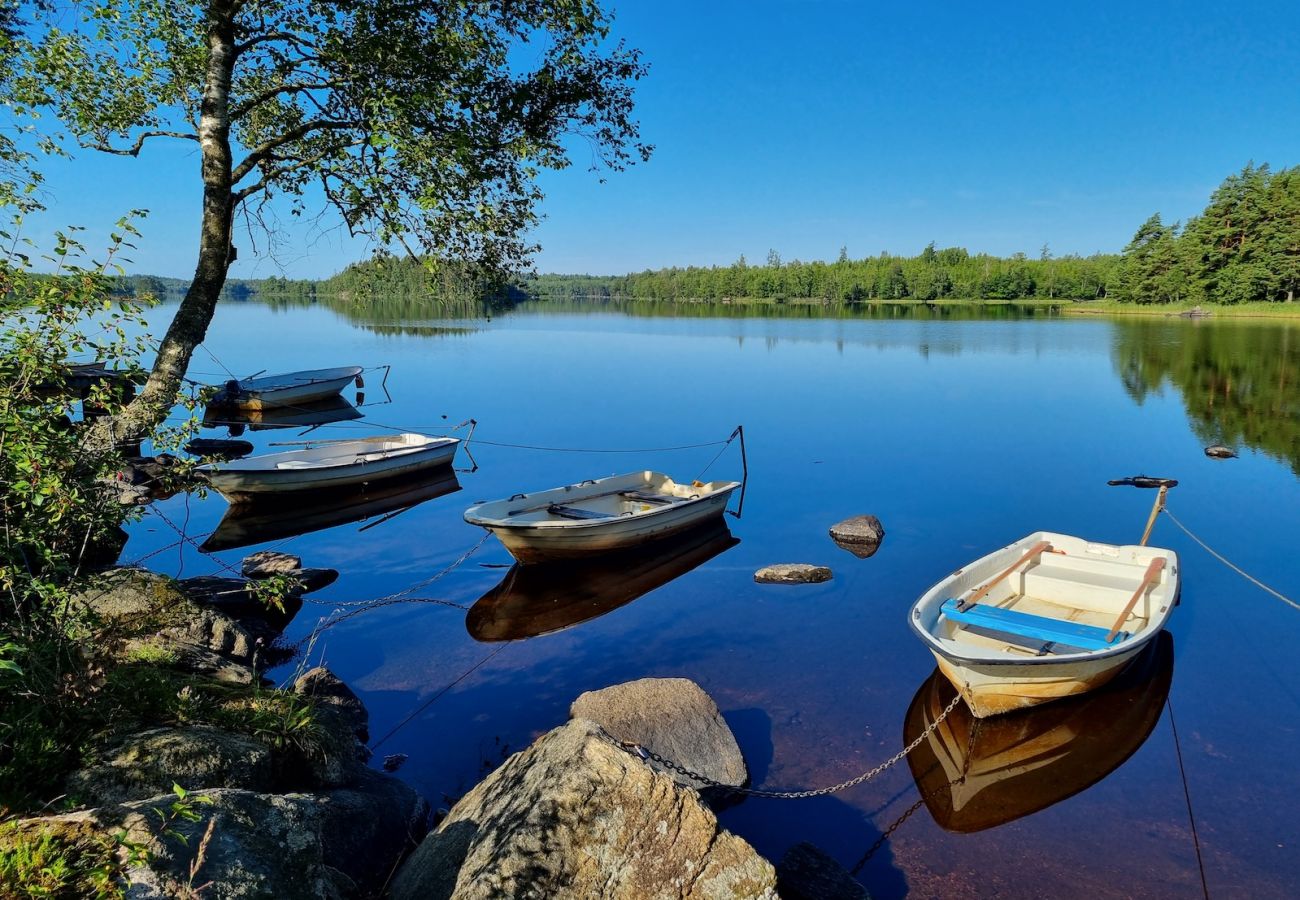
[[860, 535], [792, 573], [673, 717], [146, 764], [807, 873], [266, 563], [575, 816]]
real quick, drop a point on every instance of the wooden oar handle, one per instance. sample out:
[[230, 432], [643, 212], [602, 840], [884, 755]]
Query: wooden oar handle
[[1034, 551], [1152, 573]]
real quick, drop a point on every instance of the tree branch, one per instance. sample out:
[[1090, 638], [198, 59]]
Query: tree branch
[[291, 163], [287, 36], [263, 151], [134, 150], [257, 100]]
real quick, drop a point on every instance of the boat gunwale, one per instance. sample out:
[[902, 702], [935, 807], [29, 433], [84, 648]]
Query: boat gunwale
[[508, 524], [307, 377], [1132, 644]]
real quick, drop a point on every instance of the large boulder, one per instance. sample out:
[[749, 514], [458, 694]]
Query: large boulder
[[145, 764], [860, 535], [133, 603], [792, 573], [576, 816], [260, 845], [673, 717]]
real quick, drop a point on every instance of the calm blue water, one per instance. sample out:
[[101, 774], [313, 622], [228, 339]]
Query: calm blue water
[[959, 435]]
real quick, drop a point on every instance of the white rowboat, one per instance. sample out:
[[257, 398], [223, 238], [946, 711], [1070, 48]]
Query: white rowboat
[[288, 389], [598, 516], [1047, 617], [330, 464]]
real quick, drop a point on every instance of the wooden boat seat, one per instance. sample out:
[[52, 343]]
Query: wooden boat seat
[[573, 512], [1075, 634]]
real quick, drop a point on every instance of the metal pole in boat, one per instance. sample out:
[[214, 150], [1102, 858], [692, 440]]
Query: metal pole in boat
[[1155, 511]]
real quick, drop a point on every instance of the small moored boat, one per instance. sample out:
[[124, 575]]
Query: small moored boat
[[1049, 616], [287, 389], [601, 515], [330, 464]]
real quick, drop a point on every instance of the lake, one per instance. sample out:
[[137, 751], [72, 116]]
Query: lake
[[962, 433]]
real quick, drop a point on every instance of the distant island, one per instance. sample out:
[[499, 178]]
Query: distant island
[[1243, 248]]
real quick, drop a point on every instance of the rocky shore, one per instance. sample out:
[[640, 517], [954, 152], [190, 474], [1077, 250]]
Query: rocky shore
[[244, 790]]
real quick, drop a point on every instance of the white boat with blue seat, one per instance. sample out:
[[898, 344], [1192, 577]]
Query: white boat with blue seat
[[1046, 617]]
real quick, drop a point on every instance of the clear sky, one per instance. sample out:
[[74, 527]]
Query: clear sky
[[804, 126]]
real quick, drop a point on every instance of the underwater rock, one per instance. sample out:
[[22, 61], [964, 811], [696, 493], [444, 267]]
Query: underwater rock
[[792, 573]]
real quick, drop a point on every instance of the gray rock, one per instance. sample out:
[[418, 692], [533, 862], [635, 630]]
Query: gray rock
[[145, 764], [136, 603], [792, 573], [673, 717], [369, 827], [575, 816], [806, 873], [860, 535], [266, 563], [1218, 451], [261, 845], [329, 691]]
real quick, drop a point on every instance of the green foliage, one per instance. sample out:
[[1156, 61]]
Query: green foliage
[[420, 121], [1237, 379], [935, 274], [57, 865], [1244, 248]]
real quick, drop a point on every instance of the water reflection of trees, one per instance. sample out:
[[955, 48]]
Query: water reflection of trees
[[1240, 381], [779, 310]]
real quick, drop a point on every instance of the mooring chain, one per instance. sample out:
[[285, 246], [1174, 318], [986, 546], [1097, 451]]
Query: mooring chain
[[644, 753]]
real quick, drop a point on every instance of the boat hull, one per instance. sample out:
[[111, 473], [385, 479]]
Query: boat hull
[[251, 398], [1073, 583], [991, 690], [248, 485], [532, 544]]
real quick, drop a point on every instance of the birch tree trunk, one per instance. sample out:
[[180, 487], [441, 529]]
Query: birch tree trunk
[[190, 324]]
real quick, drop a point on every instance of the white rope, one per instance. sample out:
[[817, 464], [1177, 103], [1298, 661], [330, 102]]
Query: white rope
[[1219, 556]]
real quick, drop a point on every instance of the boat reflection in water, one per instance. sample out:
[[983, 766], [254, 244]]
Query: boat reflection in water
[[1020, 763], [545, 597], [285, 515], [321, 412]]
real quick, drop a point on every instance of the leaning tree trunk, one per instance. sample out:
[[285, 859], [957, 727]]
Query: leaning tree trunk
[[190, 324]]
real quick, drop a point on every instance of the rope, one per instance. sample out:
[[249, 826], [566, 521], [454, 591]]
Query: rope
[[591, 450], [1219, 556], [1187, 794], [426, 704]]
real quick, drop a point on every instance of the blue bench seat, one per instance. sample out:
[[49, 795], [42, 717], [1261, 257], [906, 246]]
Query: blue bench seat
[[1009, 621]]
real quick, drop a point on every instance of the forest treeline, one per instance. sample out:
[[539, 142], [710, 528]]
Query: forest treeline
[[1244, 247]]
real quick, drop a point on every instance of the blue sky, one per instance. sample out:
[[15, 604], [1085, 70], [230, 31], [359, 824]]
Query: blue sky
[[804, 126]]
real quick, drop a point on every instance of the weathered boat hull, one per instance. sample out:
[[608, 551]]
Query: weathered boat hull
[[998, 674], [244, 484], [991, 690], [314, 385], [533, 532]]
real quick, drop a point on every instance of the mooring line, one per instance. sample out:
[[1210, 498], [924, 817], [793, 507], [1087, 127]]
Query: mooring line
[[1187, 795], [1220, 557], [426, 704]]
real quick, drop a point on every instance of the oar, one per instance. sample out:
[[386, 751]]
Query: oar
[[1034, 551], [1153, 572]]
